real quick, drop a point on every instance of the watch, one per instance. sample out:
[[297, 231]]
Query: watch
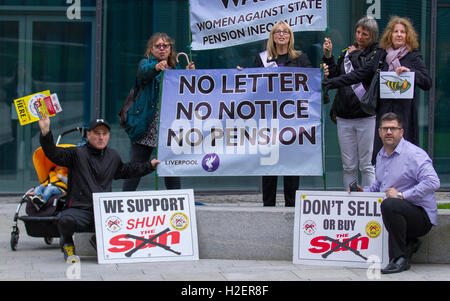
[[400, 195]]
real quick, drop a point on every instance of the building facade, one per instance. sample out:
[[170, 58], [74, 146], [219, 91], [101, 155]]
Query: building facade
[[87, 52]]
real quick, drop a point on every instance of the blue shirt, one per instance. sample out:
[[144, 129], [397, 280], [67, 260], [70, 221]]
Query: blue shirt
[[410, 170]]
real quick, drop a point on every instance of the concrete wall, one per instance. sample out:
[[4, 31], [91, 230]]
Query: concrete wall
[[266, 233], [436, 244]]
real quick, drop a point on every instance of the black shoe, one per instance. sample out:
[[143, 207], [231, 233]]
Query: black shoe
[[396, 266], [37, 201]]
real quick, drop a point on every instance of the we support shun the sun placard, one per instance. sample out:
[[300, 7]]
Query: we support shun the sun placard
[[339, 229], [145, 226]]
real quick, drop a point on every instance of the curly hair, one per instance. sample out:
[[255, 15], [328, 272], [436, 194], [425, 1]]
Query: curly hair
[[171, 60], [411, 35]]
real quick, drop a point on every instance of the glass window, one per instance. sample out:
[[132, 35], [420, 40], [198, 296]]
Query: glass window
[[442, 123], [126, 44], [42, 49]]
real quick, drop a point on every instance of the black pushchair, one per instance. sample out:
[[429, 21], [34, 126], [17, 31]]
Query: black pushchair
[[42, 222]]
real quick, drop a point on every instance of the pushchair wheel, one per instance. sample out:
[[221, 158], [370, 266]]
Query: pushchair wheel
[[48, 240], [14, 240]]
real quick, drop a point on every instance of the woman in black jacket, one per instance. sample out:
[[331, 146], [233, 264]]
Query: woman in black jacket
[[400, 54], [355, 127], [280, 52]]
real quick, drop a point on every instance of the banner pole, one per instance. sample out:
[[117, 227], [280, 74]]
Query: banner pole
[[322, 105], [324, 172], [159, 118], [189, 47]]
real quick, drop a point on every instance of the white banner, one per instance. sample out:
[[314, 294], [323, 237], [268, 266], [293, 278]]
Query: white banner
[[339, 229], [145, 226], [226, 122], [224, 23]]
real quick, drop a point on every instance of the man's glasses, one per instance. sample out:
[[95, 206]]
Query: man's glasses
[[281, 32], [384, 129], [161, 46]]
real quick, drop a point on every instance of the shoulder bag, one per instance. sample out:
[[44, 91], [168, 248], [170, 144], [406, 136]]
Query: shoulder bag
[[370, 98]]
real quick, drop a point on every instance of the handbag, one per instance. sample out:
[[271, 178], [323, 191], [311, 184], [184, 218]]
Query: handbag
[[134, 93], [370, 98]]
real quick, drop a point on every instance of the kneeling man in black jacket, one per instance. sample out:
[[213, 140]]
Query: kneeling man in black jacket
[[92, 168]]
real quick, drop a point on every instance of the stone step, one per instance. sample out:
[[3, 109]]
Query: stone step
[[266, 233]]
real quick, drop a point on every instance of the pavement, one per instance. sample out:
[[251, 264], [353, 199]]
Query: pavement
[[34, 260]]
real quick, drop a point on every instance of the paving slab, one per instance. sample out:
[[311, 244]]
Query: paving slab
[[36, 261]]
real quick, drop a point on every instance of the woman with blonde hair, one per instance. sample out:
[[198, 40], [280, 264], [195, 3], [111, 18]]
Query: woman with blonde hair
[[280, 52], [159, 56], [399, 53], [280, 49]]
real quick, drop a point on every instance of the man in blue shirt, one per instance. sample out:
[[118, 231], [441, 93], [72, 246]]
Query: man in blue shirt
[[406, 173]]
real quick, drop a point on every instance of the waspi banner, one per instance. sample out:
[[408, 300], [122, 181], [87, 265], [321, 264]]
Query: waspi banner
[[227, 122], [224, 23]]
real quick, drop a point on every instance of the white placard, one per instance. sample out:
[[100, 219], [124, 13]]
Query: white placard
[[339, 229], [397, 86], [145, 226]]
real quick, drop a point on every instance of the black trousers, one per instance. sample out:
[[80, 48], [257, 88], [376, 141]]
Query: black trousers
[[74, 220], [269, 188], [405, 222], [142, 153]]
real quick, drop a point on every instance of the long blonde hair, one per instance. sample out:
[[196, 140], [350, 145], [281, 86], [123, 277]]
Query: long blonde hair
[[411, 35], [271, 46], [171, 60]]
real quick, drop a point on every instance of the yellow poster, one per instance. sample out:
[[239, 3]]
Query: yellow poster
[[28, 107]]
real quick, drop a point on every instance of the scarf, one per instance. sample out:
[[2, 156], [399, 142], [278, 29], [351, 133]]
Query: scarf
[[358, 88], [393, 57]]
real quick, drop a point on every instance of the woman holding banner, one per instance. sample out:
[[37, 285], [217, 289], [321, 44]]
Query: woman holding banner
[[355, 126], [160, 55], [399, 53], [280, 52]]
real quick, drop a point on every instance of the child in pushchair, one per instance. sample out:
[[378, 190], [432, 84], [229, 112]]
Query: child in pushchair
[[42, 213], [56, 183]]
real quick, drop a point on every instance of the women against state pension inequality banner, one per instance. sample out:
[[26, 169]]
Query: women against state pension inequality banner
[[223, 23], [226, 122]]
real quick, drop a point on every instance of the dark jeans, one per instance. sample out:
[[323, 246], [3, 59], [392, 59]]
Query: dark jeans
[[269, 188], [141, 153], [405, 222], [74, 220]]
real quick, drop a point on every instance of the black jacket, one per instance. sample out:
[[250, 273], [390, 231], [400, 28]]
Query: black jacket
[[406, 108], [413, 60], [301, 61], [346, 104], [90, 169]]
